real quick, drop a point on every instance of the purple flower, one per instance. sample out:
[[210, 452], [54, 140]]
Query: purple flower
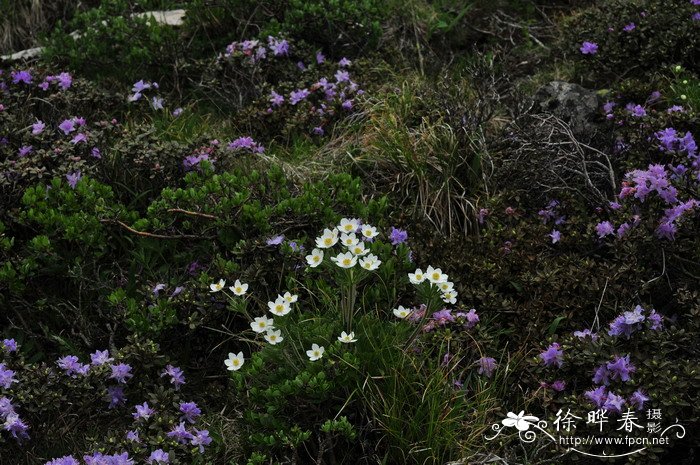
[[344, 62], [398, 236], [16, 427], [100, 357], [696, 16], [636, 110], [7, 377], [555, 235], [157, 288], [143, 412], [278, 47], [317, 131], [601, 375], [298, 95], [65, 460], [121, 372], [483, 213], [558, 385], [656, 320], [342, 76], [95, 152], [598, 396], [157, 103], [614, 403], [116, 396], [9, 345], [589, 48], [67, 126], [471, 318], [190, 411], [586, 333], [71, 367], [133, 436], [80, 137], [276, 99], [443, 317], [21, 76], [621, 368], [65, 80], [140, 86], [158, 456], [177, 377], [201, 438], [180, 434], [247, 144], [177, 112], [275, 240], [553, 355], [73, 178], [487, 365], [638, 399], [38, 127], [604, 228], [629, 27], [320, 57], [627, 323], [24, 151], [347, 105]]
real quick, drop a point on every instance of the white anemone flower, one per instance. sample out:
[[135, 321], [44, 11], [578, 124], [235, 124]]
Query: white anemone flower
[[239, 288], [262, 324], [346, 338], [449, 297], [348, 225], [369, 232], [290, 298], [348, 240], [401, 312], [216, 287], [315, 353], [447, 286], [371, 262], [234, 362], [417, 276], [345, 260], [273, 337], [328, 239], [279, 307], [358, 249], [315, 258], [435, 275]]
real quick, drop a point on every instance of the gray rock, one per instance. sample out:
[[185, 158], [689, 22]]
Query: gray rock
[[169, 18], [577, 106], [24, 54]]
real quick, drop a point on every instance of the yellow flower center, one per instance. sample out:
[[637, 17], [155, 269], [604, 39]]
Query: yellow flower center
[[235, 362], [328, 241], [317, 258], [346, 261]]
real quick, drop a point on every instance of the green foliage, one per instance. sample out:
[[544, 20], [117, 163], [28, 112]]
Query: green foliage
[[112, 42], [665, 35]]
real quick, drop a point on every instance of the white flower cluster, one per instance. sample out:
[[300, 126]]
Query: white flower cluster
[[347, 234], [435, 277]]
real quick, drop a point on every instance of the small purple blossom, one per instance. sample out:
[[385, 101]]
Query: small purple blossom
[[74, 178], [275, 240], [614, 403], [177, 377], [487, 365], [38, 127], [589, 48], [638, 399], [558, 385], [24, 151], [398, 236], [555, 236], [158, 456], [629, 27], [100, 357], [597, 396], [116, 396], [180, 434], [7, 377], [621, 368], [554, 355], [298, 95], [67, 126], [9, 345], [23, 76], [121, 372], [189, 411], [143, 411], [604, 228]]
